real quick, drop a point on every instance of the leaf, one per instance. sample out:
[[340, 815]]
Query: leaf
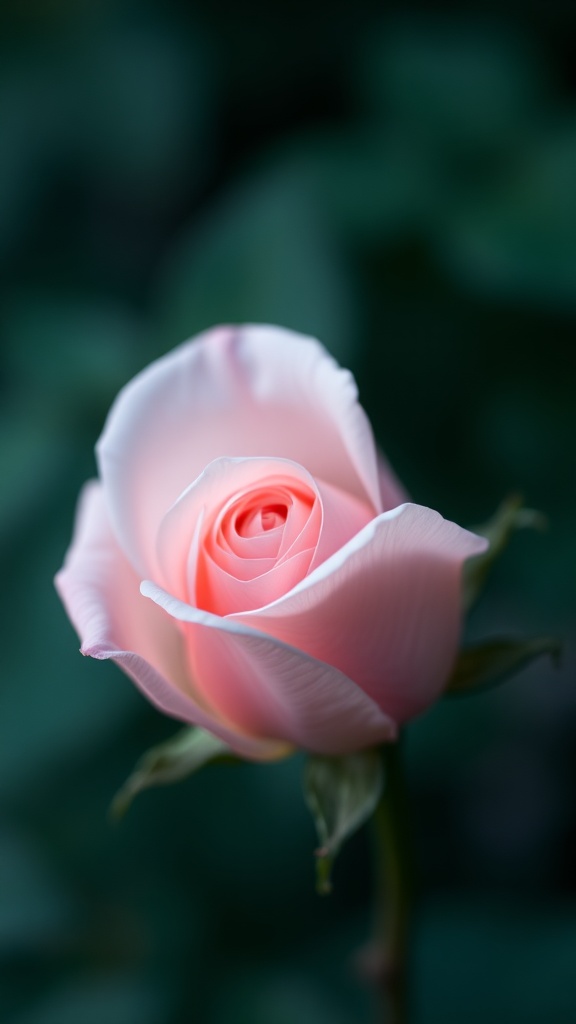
[[179, 757], [491, 662], [342, 793], [509, 517]]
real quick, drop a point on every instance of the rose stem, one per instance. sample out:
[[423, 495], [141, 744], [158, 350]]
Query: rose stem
[[393, 889]]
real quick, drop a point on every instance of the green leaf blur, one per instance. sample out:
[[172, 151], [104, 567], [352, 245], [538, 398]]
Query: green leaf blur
[[510, 516], [493, 661], [179, 757], [342, 794]]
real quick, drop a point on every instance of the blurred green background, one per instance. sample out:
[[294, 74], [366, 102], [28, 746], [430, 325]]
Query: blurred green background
[[403, 185]]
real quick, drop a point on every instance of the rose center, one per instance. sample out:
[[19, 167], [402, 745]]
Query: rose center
[[255, 521]]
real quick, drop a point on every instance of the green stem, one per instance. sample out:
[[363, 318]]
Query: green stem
[[393, 888]]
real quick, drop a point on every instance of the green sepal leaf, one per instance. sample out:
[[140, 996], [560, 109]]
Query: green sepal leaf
[[342, 793], [509, 517], [179, 757], [491, 662]]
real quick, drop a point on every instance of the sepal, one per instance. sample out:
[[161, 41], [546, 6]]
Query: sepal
[[342, 793], [179, 757], [491, 662], [509, 517]]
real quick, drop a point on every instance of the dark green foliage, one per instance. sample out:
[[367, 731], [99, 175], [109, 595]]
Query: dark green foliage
[[493, 661]]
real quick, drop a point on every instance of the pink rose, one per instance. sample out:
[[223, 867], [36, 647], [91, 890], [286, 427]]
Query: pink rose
[[250, 560]]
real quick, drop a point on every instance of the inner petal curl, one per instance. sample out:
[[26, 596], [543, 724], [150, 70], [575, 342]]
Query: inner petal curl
[[248, 530], [261, 524], [258, 520]]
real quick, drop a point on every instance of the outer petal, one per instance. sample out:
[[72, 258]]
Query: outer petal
[[101, 594], [385, 609], [272, 689], [233, 391]]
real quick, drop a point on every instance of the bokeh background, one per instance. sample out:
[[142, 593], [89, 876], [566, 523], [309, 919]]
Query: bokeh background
[[400, 182]]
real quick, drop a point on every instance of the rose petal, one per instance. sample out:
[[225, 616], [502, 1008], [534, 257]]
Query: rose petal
[[222, 593], [100, 592], [385, 609], [272, 689], [343, 516], [245, 391], [217, 580]]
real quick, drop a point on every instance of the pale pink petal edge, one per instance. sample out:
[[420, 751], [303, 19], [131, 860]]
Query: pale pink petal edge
[[94, 577], [279, 689], [250, 390], [386, 609]]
